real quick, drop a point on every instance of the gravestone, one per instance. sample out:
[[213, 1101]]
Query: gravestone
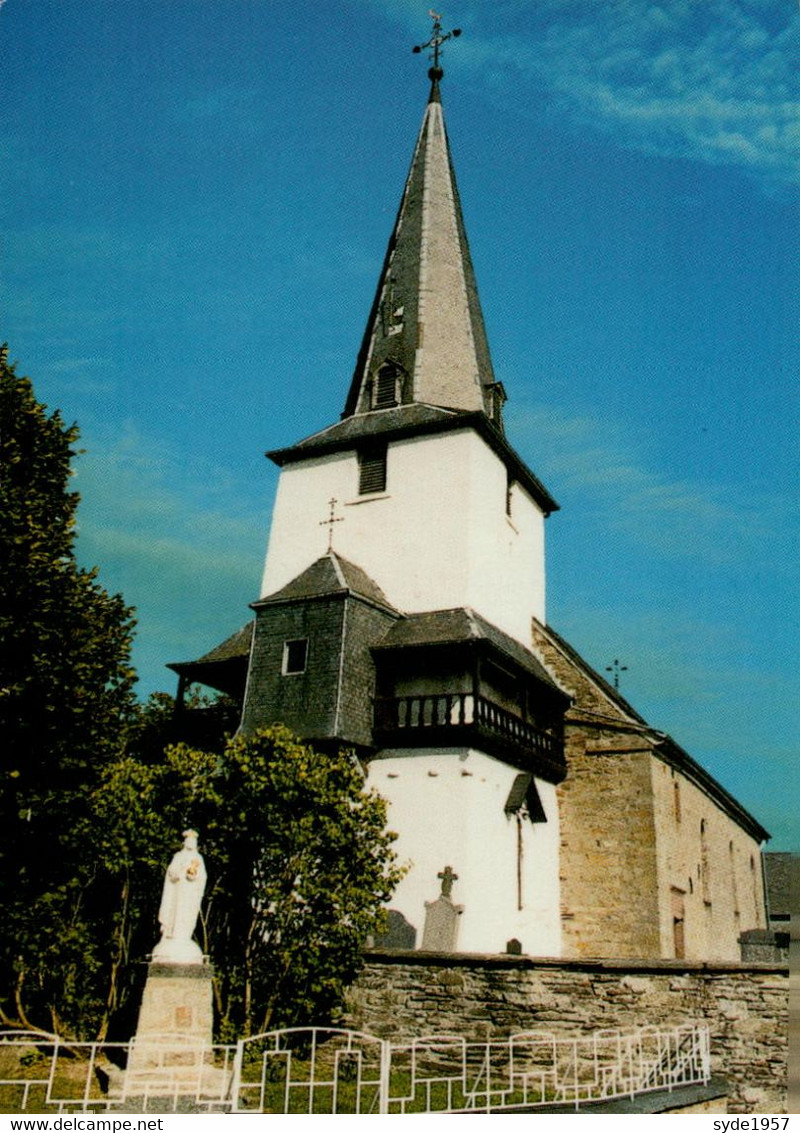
[[400, 934], [440, 933]]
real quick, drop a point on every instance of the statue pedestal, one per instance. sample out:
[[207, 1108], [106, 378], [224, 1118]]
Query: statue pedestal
[[171, 1052], [176, 1002]]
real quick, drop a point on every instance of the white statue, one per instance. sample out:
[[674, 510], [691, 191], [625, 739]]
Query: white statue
[[184, 886]]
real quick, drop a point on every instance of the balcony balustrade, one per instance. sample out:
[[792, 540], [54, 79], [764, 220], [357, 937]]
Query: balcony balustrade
[[206, 727], [454, 717]]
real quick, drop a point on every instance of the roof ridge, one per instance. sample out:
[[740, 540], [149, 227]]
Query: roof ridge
[[472, 618], [605, 687], [334, 557]]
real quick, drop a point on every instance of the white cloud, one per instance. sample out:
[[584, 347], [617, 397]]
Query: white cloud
[[684, 518], [710, 81]]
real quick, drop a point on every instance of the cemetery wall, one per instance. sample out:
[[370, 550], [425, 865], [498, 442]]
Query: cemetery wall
[[401, 995]]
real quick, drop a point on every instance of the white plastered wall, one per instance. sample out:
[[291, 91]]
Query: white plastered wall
[[448, 809], [437, 538]]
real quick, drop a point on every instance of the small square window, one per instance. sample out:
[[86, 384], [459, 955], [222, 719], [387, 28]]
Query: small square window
[[295, 656], [372, 472]]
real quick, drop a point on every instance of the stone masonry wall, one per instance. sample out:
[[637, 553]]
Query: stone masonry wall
[[652, 864], [609, 879], [746, 1007], [709, 867], [609, 867]]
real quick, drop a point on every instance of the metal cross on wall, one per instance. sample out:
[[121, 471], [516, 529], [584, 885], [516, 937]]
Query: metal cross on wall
[[329, 522]]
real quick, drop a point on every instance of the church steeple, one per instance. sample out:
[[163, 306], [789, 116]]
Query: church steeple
[[425, 340], [436, 506]]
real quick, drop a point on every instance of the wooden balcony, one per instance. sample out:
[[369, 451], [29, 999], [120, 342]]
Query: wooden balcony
[[452, 719], [207, 727]]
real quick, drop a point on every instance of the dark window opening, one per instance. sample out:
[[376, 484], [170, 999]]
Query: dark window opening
[[705, 868], [372, 472], [678, 914], [678, 938], [295, 656]]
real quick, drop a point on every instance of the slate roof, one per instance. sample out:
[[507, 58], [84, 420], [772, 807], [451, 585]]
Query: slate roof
[[678, 757], [783, 883], [612, 693], [425, 321], [385, 425], [439, 336], [664, 746], [377, 424], [450, 627], [235, 647], [330, 574]]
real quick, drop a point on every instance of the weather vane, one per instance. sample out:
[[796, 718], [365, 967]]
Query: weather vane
[[616, 669], [435, 42]]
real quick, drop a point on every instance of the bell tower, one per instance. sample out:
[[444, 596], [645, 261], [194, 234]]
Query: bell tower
[[437, 507], [405, 566], [402, 617]]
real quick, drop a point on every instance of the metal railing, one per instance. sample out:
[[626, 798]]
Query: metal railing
[[164, 1073], [537, 1068], [325, 1070]]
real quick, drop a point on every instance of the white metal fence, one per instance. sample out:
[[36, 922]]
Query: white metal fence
[[325, 1070], [42, 1074]]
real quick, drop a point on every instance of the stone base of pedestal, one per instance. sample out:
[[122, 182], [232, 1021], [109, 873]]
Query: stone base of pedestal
[[171, 1052], [177, 1001], [171, 1066]]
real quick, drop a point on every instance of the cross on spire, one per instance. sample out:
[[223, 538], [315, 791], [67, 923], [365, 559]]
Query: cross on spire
[[435, 42], [329, 522]]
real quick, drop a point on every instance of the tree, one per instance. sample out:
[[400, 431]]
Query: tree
[[300, 864], [90, 805], [65, 695], [137, 809]]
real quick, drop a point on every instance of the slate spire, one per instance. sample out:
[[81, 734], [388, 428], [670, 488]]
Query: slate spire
[[425, 340]]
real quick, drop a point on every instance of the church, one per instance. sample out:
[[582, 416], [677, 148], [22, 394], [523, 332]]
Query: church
[[402, 615]]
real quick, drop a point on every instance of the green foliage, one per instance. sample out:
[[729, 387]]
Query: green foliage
[[65, 693], [302, 864], [299, 864], [91, 806]]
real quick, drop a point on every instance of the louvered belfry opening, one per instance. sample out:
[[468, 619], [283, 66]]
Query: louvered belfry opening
[[386, 382], [372, 471]]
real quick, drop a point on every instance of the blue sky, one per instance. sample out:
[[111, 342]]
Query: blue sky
[[196, 197]]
